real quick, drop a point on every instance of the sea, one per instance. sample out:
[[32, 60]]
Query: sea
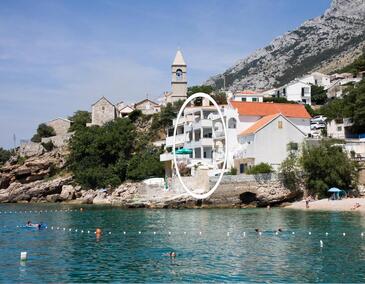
[[211, 245]]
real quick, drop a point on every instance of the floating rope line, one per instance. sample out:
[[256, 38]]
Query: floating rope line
[[39, 211]]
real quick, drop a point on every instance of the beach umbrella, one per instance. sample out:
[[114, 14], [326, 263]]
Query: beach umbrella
[[184, 151], [334, 189]]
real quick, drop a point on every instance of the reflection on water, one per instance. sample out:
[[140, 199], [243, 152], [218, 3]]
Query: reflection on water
[[63, 256]]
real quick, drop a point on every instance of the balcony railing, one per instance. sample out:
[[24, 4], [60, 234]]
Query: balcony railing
[[180, 139]]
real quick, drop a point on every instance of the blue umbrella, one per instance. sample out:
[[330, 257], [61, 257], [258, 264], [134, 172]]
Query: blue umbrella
[[334, 189]]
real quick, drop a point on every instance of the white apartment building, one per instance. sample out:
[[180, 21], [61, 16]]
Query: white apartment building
[[201, 130], [317, 79], [296, 91], [248, 96]]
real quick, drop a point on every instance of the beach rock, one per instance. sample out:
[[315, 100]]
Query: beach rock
[[88, 196], [53, 198], [102, 198], [68, 192]]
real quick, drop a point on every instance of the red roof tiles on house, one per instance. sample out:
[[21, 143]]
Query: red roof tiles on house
[[264, 109], [259, 124]]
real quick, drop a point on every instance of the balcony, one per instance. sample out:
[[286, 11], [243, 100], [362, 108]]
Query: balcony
[[166, 157], [180, 140], [218, 135], [206, 141], [206, 123]]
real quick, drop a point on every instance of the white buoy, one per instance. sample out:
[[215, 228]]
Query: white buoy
[[227, 233], [326, 234], [88, 232], [260, 233], [362, 234], [200, 233], [184, 233], [23, 256], [139, 232], [64, 229], [293, 233], [244, 234], [75, 230], [69, 230], [82, 231], [51, 228], [309, 233], [110, 233], [124, 233], [169, 233], [321, 243], [343, 234], [58, 228], [154, 233], [276, 233]]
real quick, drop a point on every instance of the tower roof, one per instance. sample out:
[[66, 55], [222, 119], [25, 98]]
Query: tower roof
[[179, 59]]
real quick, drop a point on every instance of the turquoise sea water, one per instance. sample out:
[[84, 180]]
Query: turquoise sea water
[[212, 256]]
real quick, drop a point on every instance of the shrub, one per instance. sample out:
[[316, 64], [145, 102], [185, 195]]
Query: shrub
[[48, 146], [233, 171], [290, 171], [43, 131], [4, 155], [262, 168], [134, 115], [319, 95], [79, 120]]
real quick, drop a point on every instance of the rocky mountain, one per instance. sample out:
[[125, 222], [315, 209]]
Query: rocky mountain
[[323, 44]]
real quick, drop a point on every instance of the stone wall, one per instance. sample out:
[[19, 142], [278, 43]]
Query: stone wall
[[60, 126], [244, 190], [58, 140]]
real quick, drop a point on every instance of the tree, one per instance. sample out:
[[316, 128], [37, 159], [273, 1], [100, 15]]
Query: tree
[[79, 120], [145, 164], [278, 100], [355, 67], [134, 115], [262, 168], [43, 131], [220, 98], [290, 170], [319, 95], [199, 89], [4, 155], [326, 166], [99, 155]]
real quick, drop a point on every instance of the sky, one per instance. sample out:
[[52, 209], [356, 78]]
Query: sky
[[57, 57]]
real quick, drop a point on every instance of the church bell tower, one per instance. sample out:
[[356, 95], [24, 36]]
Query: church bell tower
[[179, 83]]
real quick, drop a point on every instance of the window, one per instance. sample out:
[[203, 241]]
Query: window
[[179, 74], [339, 128], [280, 124], [232, 123], [242, 168], [284, 91], [254, 99], [243, 99], [292, 146], [103, 108], [302, 91]]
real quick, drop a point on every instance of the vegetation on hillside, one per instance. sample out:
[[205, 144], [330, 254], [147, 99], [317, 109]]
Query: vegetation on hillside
[[79, 120], [319, 95], [108, 155], [43, 131], [4, 155], [352, 105], [355, 67]]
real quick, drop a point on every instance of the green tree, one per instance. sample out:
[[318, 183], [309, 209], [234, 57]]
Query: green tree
[[145, 164], [355, 67], [4, 155], [326, 166], [220, 98], [319, 95], [99, 155], [290, 170], [262, 168], [79, 120], [199, 89], [43, 131]]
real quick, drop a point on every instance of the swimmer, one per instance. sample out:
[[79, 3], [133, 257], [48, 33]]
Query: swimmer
[[172, 254], [257, 230], [280, 230]]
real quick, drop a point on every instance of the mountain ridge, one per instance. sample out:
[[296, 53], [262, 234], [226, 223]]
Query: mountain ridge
[[324, 44]]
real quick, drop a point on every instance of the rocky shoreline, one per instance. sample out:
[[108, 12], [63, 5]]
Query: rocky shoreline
[[42, 177]]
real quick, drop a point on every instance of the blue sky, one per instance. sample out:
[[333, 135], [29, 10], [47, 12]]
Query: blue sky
[[60, 56]]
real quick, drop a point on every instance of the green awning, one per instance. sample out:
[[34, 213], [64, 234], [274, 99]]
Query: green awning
[[184, 151]]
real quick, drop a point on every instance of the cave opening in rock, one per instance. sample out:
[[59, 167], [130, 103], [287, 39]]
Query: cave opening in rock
[[248, 197]]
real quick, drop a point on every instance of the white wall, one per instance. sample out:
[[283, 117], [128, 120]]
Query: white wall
[[335, 130], [270, 143]]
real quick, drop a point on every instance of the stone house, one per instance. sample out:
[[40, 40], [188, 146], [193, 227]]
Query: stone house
[[60, 125], [102, 112], [147, 106], [124, 111]]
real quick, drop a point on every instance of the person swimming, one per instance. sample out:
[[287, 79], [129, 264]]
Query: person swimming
[[257, 230], [30, 224]]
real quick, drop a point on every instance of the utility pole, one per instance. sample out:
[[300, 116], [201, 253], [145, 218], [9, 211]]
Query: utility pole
[[14, 140]]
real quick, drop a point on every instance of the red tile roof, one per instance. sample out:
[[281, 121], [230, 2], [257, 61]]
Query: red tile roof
[[264, 109], [259, 124]]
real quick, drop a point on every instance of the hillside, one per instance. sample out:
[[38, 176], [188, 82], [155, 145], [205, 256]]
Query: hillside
[[325, 43]]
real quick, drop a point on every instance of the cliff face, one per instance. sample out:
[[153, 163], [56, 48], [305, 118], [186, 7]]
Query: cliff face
[[324, 44]]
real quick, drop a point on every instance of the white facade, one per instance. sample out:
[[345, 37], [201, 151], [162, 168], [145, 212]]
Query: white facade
[[248, 96], [147, 106], [269, 144], [296, 91], [317, 79]]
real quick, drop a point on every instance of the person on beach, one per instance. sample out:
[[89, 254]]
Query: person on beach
[[307, 202], [357, 205]]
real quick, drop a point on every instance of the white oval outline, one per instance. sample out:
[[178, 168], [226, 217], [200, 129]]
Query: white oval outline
[[210, 192]]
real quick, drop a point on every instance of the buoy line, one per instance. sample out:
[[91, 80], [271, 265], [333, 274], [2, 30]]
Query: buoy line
[[39, 211]]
